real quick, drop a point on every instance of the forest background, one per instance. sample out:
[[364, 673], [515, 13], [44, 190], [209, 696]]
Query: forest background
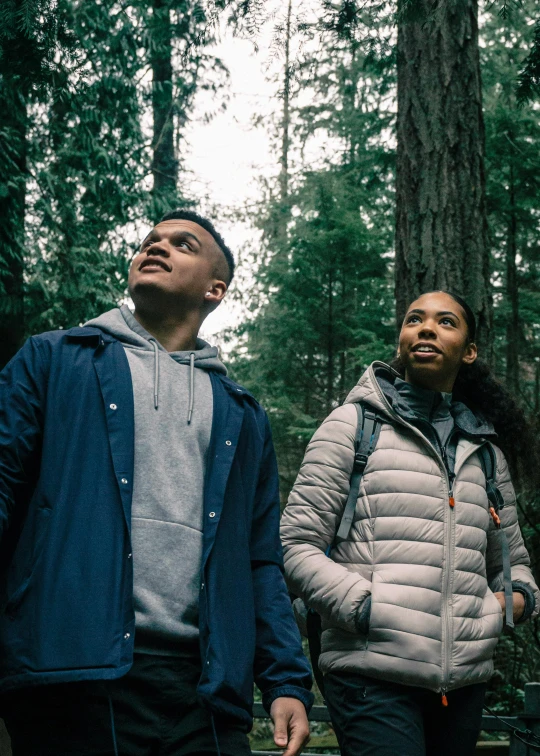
[[406, 139]]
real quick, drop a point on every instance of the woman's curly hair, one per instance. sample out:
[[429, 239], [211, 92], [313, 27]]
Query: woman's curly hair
[[478, 389]]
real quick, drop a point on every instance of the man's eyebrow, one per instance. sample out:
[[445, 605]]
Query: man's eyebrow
[[184, 235], [442, 312]]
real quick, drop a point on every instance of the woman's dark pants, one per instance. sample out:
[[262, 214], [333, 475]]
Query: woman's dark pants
[[376, 718]]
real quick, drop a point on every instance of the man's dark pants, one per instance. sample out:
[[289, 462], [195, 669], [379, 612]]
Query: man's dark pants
[[152, 711], [376, 718]]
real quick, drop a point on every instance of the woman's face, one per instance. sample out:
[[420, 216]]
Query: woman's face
[[434, 342]]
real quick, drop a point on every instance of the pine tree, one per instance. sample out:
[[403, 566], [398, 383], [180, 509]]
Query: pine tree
[[322, 297], [513, 173], [28, 33]]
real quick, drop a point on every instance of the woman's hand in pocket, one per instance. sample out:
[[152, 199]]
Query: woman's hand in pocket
[[519, 604]]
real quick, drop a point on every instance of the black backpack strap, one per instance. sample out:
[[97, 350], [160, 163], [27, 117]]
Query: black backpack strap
[[368, 428], [488, 461]]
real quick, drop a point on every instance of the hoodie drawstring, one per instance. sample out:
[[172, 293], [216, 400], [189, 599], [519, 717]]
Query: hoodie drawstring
[[191, 386], [156, 372], [191, 380]]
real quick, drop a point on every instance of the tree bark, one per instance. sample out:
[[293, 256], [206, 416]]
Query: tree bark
[[286, 122], [164, 163], [512, 294], [12, 208], [330, 388], [441, 226]]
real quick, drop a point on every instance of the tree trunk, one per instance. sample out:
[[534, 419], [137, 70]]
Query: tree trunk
[[441, 227], [330, 345], [286, 122], [164, 163], [512, 294], [12, 208]]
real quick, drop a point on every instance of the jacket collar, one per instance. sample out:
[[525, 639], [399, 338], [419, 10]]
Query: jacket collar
[[96, 337], [89, 335], [470, 423], [235, 389], [376, 387]]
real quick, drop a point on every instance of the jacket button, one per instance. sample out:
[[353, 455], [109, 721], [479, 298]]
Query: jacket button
[[212, 514], [127, 635], [229, 443], [124, 481], [113, 406]]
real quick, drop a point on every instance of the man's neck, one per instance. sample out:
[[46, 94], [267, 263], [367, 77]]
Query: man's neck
[[173, 334]]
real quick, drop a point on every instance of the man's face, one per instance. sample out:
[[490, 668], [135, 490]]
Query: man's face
[[179, 262], [434, 343]]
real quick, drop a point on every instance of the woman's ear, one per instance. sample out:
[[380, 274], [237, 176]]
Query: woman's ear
[[471, 353]]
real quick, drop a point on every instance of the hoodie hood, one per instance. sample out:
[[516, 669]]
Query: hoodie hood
[[122, 325]]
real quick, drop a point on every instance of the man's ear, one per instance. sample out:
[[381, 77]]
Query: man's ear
[[215, 293]]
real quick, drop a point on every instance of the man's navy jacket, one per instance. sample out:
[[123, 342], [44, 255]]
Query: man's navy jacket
[[66, 577]]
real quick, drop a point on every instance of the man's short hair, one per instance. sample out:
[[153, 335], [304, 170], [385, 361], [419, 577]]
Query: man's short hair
[[194, 217]]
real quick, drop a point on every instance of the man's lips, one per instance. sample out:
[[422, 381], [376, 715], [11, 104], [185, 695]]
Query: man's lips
[[155, 262]]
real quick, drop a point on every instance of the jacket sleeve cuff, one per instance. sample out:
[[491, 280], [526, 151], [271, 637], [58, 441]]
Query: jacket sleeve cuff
[[530, 599], [362, 618], [289, 691]]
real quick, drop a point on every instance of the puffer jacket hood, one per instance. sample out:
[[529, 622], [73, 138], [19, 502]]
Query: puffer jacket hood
[[430, 568], [376, 388], [121, 324]]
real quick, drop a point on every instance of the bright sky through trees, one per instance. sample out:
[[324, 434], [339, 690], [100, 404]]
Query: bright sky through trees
[[227, 153]]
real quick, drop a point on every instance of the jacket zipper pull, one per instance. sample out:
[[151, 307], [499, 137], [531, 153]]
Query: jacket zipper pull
[[495, 517], [451, 499], [444, 699]]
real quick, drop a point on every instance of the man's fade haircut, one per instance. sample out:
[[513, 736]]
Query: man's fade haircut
[[191, 215]]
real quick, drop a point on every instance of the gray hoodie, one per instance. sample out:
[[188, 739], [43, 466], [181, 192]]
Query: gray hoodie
[[173, 422]]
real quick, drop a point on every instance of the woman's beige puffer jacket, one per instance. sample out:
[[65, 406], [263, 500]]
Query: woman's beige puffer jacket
[[434, 620]]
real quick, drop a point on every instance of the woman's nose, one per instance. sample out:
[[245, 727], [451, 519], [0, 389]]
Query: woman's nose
[[427, 329]]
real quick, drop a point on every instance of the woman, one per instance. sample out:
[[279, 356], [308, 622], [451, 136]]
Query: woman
[[412, 600]]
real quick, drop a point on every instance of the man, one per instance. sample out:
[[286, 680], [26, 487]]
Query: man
[[142, 590]]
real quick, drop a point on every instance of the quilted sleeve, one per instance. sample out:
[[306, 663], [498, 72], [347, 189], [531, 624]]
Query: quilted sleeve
[[312, 517]]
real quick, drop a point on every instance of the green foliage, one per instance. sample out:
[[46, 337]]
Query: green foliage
[[322, 299], [88, 158], [76, 155], [529, 75], [513, 187]]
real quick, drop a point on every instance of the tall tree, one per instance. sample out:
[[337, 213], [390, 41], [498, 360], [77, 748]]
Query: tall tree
[[28, 35], [164, 162], [13, 105], [321, 297], [441, 227], [513, 185], [286, 123]]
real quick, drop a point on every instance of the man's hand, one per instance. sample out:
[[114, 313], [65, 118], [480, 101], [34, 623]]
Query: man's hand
[[519, 604], [291, 728]]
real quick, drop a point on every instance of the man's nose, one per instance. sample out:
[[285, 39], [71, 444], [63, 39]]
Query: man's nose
[[158, 248]]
